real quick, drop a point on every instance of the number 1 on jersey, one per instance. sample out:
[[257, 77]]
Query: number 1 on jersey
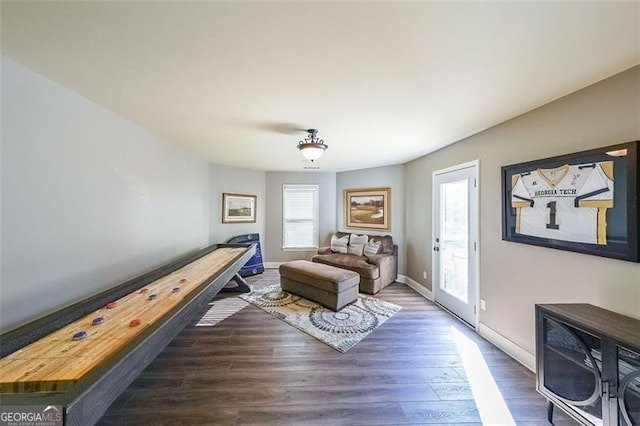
[[552, 216]]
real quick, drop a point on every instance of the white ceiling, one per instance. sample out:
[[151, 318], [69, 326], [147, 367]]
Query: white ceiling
[[384, 82]]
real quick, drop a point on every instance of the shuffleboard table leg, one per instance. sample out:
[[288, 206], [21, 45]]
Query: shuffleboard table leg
[[240, 287], [550, 412]]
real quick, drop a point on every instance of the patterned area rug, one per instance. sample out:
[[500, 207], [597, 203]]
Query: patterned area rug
[[340, 330]]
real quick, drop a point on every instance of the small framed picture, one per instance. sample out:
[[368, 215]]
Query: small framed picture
[[368, 208], [238, 208], [585, 202]]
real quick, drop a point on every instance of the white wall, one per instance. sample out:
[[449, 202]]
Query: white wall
[[377, 177], [273, 240], [224, 179], [89, 199], [514, 277]]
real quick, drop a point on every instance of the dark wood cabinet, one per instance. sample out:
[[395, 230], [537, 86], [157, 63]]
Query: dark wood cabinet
[[588, 363]]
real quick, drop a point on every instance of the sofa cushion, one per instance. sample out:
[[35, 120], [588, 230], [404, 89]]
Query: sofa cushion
[[339, 244], [357, 264], [387, 244], [356, 244]]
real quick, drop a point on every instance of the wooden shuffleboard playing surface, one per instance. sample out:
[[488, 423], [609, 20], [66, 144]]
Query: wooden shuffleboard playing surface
[[56, 361]]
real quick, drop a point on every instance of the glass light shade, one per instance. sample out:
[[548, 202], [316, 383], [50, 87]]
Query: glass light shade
[[312, 151]]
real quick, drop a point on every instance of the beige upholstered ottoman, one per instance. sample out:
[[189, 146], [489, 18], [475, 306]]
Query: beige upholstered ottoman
[[330, 286]]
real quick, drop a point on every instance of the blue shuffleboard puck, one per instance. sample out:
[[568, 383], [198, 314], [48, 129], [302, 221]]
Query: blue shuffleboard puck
[[152, 296], [176, 289], [80, 335], [97, 320]]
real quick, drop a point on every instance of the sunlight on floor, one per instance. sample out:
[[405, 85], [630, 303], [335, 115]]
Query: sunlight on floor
[[491, 406]]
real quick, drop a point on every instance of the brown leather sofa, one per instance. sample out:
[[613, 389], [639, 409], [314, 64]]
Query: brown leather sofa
[[376, 271]]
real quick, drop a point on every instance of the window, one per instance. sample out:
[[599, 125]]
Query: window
[[300, 217]]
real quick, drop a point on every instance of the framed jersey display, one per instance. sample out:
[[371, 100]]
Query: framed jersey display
[[585, 202]]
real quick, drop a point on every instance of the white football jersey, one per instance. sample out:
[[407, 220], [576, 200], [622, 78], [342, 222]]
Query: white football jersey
[[567, 203]]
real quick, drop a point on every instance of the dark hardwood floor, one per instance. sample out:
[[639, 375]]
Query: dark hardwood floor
[[253, 368]]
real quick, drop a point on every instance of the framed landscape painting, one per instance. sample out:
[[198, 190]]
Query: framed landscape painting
[[585, 202], [368, 208], [238, 208]]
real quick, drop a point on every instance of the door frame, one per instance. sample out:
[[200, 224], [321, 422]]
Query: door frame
[[474, 235]]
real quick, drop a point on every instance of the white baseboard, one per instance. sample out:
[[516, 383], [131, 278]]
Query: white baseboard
[[504, 344], [272, 265], [507, 346], [423, 291]]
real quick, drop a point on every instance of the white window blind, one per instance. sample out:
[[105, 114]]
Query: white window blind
[[300, 216]]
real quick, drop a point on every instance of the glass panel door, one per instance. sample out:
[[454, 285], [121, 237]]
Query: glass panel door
[[455, 255], [572, 368], [629, 387], [454, 239]]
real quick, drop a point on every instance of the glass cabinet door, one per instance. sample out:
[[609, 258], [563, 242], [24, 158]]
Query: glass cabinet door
[[628, 387], [572, 368]]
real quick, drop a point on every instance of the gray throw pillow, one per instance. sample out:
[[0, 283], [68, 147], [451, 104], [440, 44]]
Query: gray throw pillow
[[372, 248]]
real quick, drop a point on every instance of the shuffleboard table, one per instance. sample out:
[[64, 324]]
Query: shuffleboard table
[[82, 357]]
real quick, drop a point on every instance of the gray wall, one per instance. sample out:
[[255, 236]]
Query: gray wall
[[88, 199], [273, 240], [390, 176], [513, 277], [237, 181]]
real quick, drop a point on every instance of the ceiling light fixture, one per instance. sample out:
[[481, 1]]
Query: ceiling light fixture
[[311, 147]]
